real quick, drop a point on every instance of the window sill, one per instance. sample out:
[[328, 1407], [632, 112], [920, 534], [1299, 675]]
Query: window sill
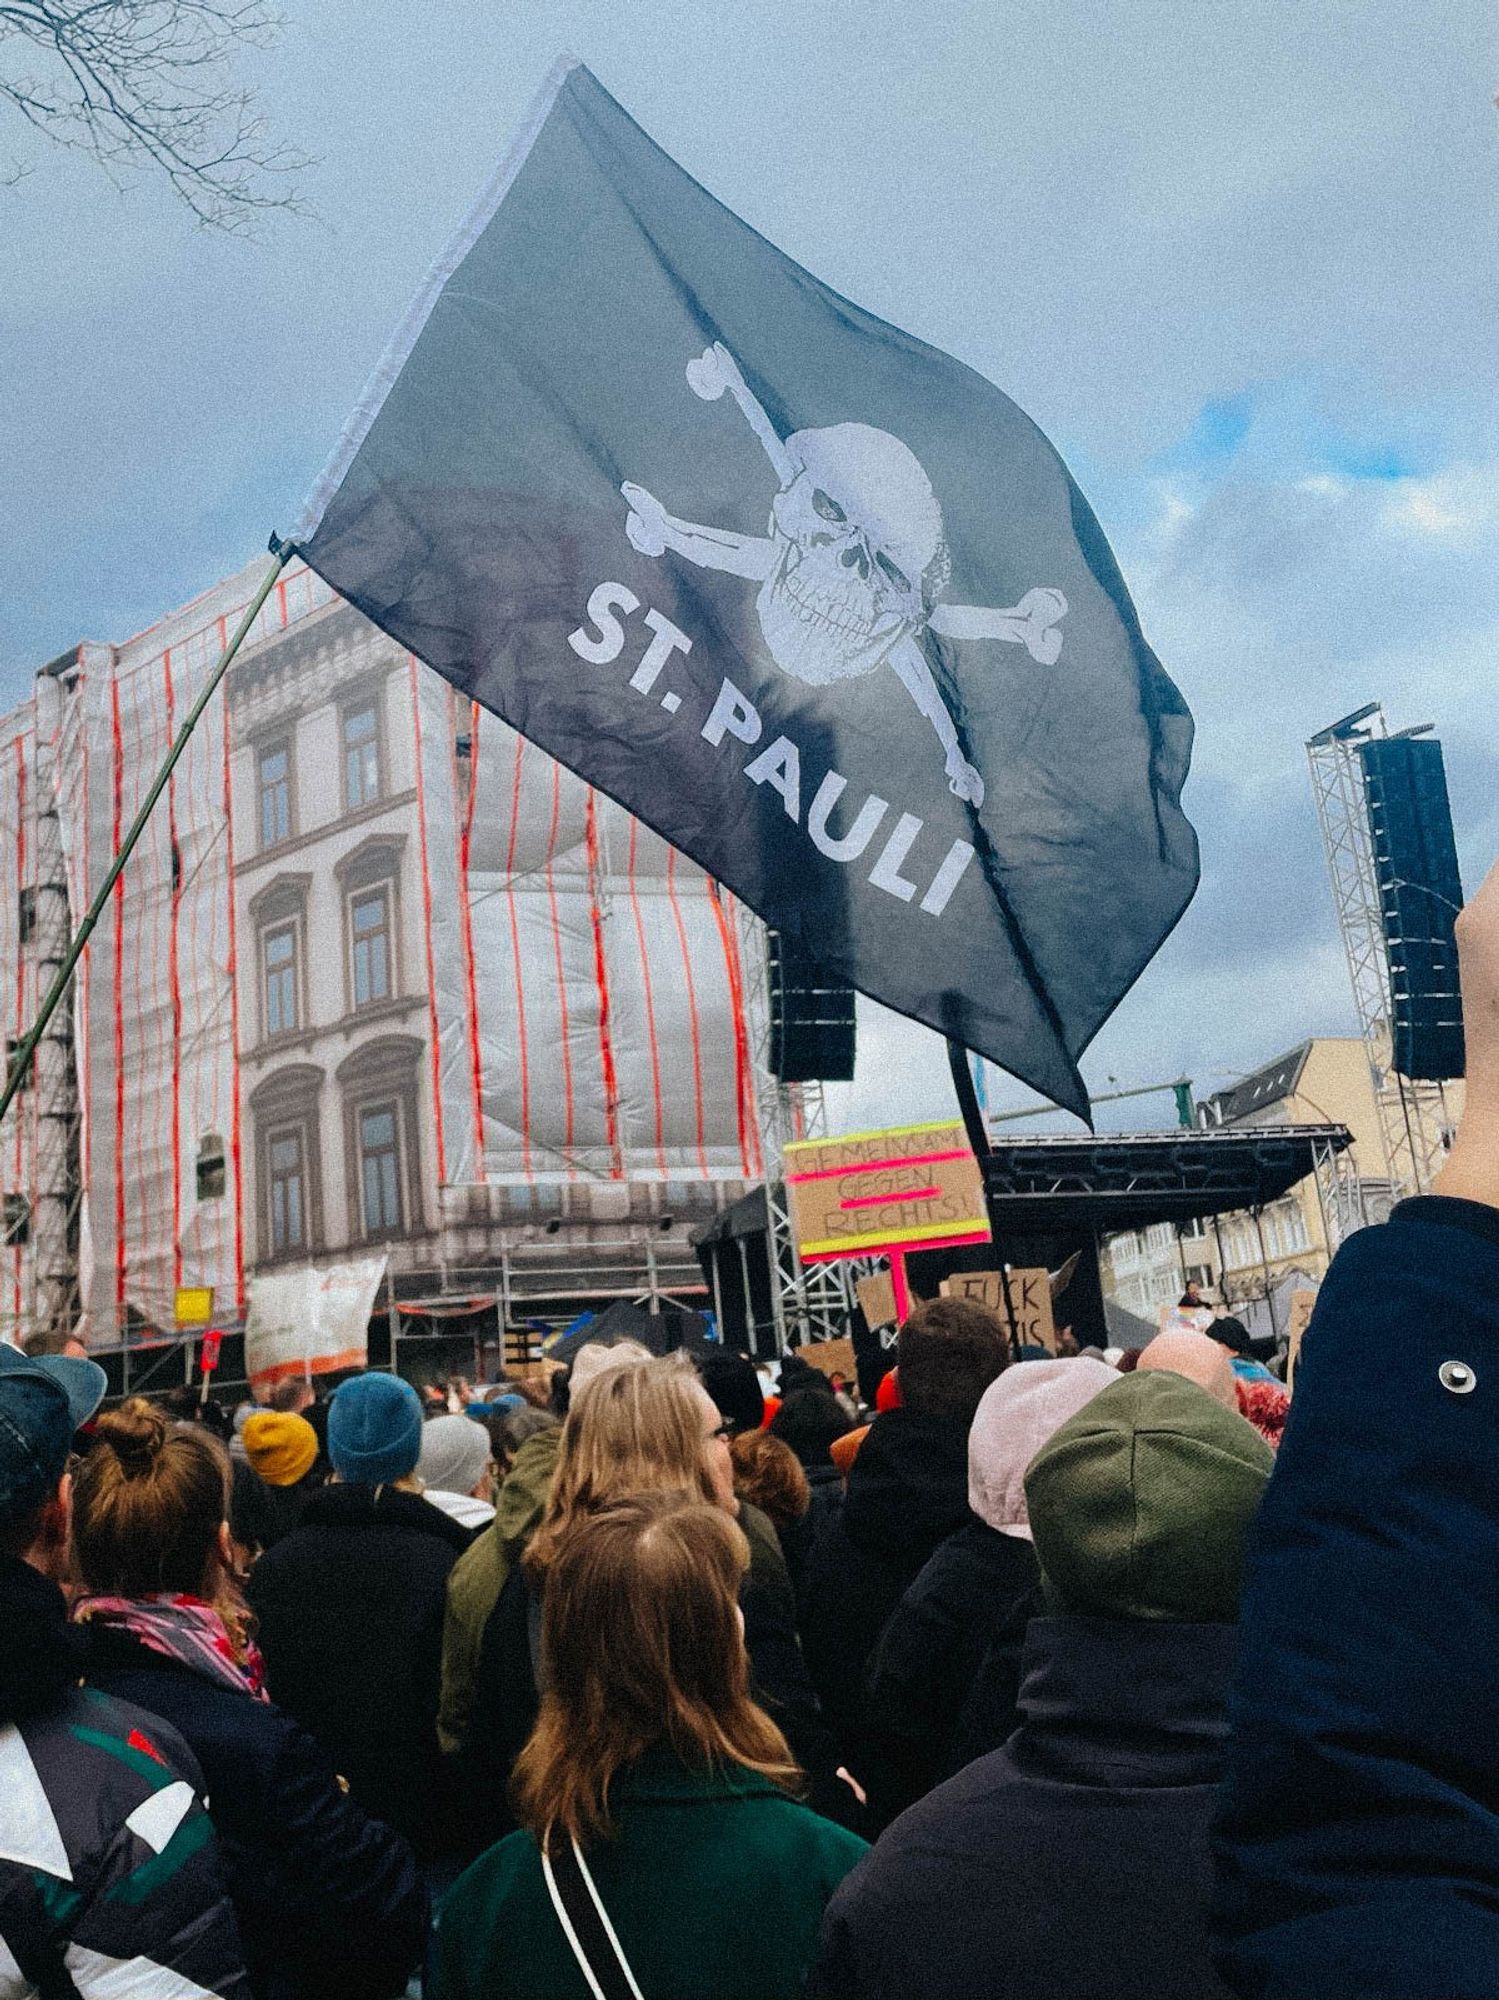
[[271, 1046], [394, 1009], [279, 1260], [390, 802]]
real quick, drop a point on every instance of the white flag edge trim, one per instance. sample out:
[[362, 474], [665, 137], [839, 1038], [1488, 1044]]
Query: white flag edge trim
[[408, 332]]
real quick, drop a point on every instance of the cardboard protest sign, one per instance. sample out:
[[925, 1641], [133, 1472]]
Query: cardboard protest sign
[[1030, 1301], [913, 1187], [830, 1357], [876, 1296]]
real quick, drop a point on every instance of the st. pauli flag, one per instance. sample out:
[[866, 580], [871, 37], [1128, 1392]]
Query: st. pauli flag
[[810, 598]]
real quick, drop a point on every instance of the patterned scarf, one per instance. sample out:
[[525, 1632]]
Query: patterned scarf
[[213, 1640]]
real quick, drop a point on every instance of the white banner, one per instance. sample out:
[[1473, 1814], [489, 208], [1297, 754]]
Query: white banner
[[310, 1321]]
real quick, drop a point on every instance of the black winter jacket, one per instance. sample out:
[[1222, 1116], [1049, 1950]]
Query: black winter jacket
[[907, 1492], [976, 1591], [1359, 1848], [799, 1538], [331, 1905], [261, 1515], [110, 1880], [350, 1606], [1073, 1864]]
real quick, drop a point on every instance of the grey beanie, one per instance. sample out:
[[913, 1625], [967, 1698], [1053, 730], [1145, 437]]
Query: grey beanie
[[455, 1454]]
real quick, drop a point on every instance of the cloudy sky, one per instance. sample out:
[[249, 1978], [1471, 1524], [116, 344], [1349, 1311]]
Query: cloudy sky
[[1238, 260]]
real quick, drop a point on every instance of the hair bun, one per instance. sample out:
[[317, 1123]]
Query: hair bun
[[135, 1433]]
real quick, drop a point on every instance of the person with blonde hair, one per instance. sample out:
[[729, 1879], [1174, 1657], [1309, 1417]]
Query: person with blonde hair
[[660, 1852], [330, 1903], [650, 1428]]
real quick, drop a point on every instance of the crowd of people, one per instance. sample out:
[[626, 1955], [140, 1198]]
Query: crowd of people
[[1078, 1675]]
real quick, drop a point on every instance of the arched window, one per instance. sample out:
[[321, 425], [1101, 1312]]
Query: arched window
[[279, 914]]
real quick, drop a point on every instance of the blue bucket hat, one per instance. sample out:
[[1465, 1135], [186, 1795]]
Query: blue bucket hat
[[374, 1430], [43, 1400]]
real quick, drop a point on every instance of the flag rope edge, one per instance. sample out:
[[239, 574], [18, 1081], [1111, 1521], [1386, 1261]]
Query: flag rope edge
[[408, 332]]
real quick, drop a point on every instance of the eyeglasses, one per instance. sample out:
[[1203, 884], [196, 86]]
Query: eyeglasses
[[722, 1435]]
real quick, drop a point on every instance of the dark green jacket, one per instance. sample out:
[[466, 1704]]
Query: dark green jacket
[[715, 1883]]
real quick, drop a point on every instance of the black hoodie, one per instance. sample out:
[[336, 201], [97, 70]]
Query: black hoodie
[[907, 1492], [1073, 1862], [39, 1652]]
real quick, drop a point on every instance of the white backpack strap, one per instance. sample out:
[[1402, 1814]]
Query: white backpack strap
[[598, 1903], [586, 1925]]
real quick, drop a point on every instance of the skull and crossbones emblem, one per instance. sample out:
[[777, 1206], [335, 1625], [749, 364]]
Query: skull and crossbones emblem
[[853, 562]]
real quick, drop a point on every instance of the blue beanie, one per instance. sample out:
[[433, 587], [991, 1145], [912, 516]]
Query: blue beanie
[[374, 1430]]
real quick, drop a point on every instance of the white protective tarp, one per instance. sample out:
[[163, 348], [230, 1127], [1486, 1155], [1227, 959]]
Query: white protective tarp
[[155, 999], [599, 972]]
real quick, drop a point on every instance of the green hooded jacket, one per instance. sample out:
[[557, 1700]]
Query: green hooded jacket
[[478, 1577]]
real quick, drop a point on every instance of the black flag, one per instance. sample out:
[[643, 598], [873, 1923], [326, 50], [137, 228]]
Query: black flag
[[809, 597]]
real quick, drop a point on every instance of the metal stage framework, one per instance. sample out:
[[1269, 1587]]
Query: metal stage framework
[[808, 1301], [1112, 1182], [1414, 1122]]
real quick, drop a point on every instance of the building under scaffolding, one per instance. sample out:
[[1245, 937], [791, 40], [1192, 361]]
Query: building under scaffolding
[[380, 976]]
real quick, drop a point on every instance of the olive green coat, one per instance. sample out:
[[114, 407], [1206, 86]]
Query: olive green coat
[[478, 1577]]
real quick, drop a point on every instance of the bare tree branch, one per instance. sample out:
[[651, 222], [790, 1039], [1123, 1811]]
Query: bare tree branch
[[141, 84]]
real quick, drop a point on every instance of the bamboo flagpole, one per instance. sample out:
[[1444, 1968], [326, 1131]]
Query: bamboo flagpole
[[283, 552]]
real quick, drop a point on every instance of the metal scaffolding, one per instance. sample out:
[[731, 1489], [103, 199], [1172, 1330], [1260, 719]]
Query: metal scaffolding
[[1344, 1198], [1413, 1120], [57, 1178]]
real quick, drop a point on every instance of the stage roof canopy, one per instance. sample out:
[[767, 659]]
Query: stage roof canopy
[[1128, 1180]]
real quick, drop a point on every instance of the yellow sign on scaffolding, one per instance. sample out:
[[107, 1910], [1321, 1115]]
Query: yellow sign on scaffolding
[[194, 1305]]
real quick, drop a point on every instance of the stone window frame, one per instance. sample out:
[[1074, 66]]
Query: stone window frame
[[385, 1070], [366, 1109], [280, 904], [371, 696], [267, 746], [374, 863], [289, 1097]]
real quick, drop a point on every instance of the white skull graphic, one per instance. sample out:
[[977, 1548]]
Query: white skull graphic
[[853, 565], [859, 553]]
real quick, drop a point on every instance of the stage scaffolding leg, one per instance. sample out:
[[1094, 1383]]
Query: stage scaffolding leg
[[1412, 1116], [808, 1302]]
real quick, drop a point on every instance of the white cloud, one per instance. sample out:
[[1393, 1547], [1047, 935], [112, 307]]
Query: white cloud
[[1118, 228], [1458, 505]]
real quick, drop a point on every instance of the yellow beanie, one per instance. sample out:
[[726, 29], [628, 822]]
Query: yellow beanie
[[280, 1447]]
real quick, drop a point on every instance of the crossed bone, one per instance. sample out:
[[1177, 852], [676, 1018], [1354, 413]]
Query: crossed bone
[[1031, 623]]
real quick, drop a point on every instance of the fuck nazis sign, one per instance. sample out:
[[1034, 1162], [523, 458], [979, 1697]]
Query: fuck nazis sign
[[912, 1187]]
